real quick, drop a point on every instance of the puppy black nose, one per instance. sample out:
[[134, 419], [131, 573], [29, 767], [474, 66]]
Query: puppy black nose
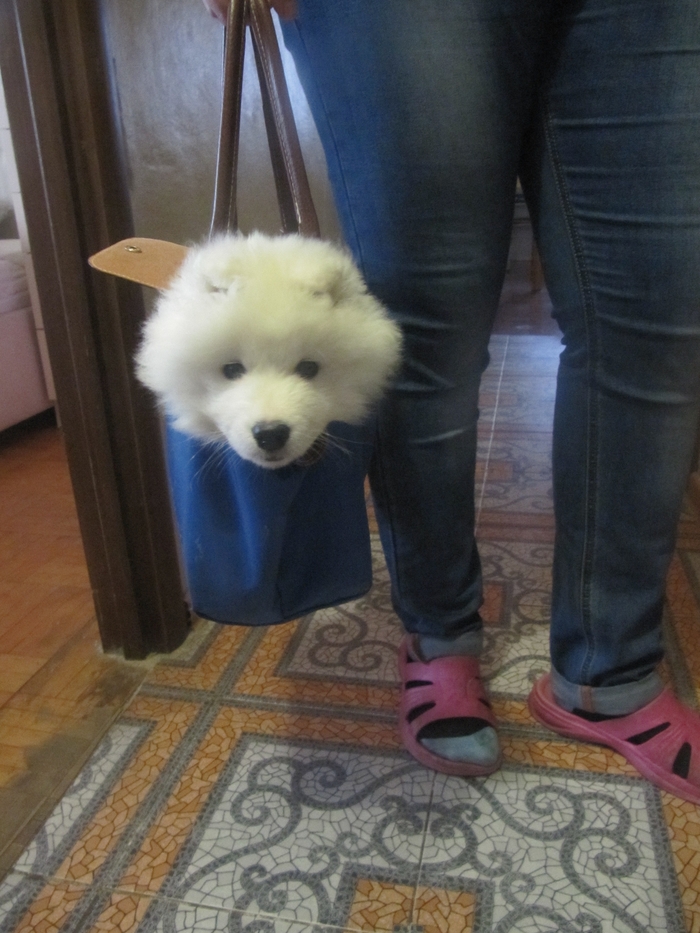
[[271, 435]]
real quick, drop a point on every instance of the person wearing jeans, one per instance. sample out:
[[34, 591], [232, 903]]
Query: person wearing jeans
[[429, 111]]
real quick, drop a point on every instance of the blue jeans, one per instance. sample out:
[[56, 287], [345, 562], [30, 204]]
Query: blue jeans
[[428, 111]]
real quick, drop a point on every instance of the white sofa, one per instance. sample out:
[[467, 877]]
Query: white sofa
[[22, 385]]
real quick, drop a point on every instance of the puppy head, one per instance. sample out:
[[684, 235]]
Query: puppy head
[[262, 341]]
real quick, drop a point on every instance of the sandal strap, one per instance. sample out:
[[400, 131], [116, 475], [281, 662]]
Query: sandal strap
[[446, 688]]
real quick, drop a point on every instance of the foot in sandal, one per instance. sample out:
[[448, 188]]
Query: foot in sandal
[[445, 718], [661, 739]]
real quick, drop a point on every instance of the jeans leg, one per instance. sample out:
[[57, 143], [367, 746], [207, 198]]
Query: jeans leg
[[421, 108], [613, 178]]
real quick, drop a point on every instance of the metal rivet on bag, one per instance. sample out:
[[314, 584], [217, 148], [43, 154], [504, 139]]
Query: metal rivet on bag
[[133, 249]]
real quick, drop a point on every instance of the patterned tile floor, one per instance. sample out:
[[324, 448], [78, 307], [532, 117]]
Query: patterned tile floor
[[255, 783]]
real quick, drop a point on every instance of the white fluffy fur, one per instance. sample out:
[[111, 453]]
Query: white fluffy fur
[[268, 303]]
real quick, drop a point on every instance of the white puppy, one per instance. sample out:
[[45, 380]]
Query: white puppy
[[262, 341]]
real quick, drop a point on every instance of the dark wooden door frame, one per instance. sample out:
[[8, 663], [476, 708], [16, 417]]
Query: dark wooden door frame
[[64, 124]]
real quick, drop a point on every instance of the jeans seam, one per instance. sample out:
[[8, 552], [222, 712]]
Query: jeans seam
[[358, 246], [588, 548]]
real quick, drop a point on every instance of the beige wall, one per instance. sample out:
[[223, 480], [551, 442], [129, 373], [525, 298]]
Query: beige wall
[[167, 61]]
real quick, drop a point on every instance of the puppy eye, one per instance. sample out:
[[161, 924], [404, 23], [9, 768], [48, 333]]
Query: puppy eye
[[233, 370], [307, 369]]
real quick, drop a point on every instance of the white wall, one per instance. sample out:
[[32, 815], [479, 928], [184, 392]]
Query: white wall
[[167, 57]]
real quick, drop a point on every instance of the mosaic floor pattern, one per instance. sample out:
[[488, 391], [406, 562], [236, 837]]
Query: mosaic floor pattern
[[256, 782]]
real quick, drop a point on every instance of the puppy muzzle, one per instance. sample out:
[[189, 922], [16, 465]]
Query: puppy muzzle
[[272, 436]]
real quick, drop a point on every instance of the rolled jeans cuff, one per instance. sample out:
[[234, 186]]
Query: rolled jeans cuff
[[610, 701], [468, 643]]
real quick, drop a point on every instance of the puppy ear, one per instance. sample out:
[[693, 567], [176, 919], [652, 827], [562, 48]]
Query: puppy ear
[[216, 285], [339, 279], [215, 266], [216, 278]]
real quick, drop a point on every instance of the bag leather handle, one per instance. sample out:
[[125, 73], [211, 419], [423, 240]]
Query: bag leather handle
[[143, 260], [297, 210]]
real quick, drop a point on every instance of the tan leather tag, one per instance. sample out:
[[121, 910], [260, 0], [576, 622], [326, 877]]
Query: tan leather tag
[[142, 260]]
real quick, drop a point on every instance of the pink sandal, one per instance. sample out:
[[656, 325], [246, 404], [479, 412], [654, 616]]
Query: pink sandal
[[658, 739], [444, 689]]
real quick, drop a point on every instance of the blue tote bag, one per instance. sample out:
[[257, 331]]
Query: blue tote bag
[[264, 546]]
